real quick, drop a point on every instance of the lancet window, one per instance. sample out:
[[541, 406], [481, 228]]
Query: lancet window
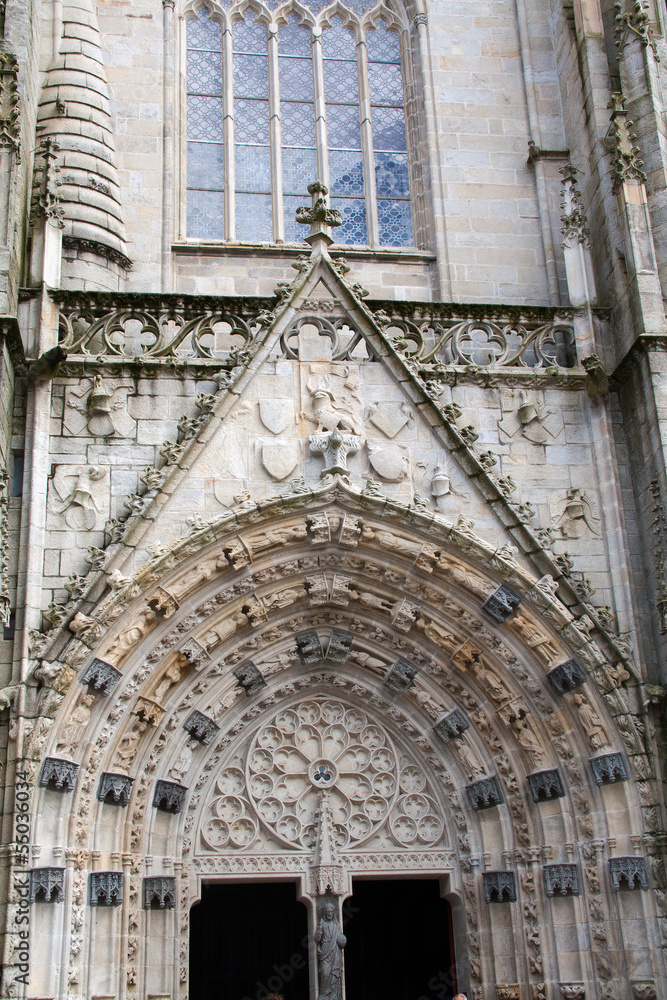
[[277, 98]]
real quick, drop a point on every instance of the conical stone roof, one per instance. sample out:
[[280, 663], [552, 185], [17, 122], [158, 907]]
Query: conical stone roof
[[74, 109]]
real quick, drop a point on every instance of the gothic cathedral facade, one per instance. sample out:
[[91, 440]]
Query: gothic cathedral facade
[[333, 540]]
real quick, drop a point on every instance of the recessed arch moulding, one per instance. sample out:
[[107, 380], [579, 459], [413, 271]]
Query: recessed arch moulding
[[310, 688]]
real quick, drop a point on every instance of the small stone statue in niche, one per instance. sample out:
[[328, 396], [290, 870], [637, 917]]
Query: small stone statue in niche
[[330, 942]]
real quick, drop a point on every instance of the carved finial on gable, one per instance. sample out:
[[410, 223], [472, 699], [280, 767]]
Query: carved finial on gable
[[319, 217]]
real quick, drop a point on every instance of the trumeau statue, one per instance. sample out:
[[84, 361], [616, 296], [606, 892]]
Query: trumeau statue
[[330, 943]]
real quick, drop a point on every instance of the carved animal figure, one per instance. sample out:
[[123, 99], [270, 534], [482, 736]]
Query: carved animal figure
[[330, 412]]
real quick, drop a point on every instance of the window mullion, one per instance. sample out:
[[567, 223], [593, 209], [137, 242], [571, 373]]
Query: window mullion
[[367, 144], [275, 138], [228, 130], [320, 109]]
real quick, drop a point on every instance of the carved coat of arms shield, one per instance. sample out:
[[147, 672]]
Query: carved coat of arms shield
[[279, 458], [276, 414]]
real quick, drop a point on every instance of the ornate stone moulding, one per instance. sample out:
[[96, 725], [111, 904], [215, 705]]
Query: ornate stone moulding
[[249, 677], [309, 647], [47, 885], [100, 676], [451, 725], [485, 793], [200, 727], [608, 768], [628, 873], [567, 676], [457, 536], [545, 785], [159, 892], [58, 774], [114, 789], [339, 645], [169, 796], [561, 880], [502, 603], [499, 887], [401, 676], [105, 888]]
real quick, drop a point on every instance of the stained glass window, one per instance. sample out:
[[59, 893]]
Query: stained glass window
[[205, 171], [275, 104]]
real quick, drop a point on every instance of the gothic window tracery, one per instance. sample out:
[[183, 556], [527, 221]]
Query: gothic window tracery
[[278, 95]]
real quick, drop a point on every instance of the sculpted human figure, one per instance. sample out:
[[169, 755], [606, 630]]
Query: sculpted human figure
[[77, 722], [372, 600], [330, 942]]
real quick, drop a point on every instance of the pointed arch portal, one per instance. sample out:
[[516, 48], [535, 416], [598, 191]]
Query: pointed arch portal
[[320, 689]]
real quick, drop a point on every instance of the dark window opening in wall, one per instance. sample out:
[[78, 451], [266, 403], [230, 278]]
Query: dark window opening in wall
[[18, 462]]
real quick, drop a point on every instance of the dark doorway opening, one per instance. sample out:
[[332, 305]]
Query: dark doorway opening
[[399, 941], [248, 942]]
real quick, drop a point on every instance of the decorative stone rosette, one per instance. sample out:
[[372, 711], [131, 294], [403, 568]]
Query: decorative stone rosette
[[315, 746]]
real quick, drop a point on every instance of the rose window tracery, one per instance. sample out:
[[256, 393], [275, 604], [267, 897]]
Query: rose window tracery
[[317, 746]]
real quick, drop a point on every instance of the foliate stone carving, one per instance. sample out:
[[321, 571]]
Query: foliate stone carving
[[200, 727], [100, 676], [644, 990], [340, 644], [508, 991], [194, 653], [574, 220], [45, 196], [485, 793], [567, 676], [334, 447], [58, 774], [451, 725], [319, 216], [401, 676], [628, 873], [562, 880], [160, 892], [249, 677], [634, 22], [499, 887], [10, 128], [501, 603], [114, 789], [47, 885], [545, 785], [309, 647], [105, 888], [608, 768], [628, 165], [573, 991], [169, 796]]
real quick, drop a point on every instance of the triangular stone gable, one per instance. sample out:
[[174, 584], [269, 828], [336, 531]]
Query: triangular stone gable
[[322, 364]]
